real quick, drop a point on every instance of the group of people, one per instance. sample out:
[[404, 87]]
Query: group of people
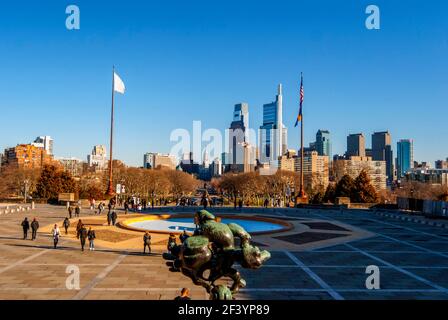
[[83, 234], [26, 225], [77, 211]]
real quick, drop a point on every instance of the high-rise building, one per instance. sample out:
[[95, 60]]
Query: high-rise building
[[315, 170], [26, 156], [323, 143], [442, 164], [356, 145], [73, 166], [44, 142], [273, 133], [216, 167], [382, 151], [98, 158], [405, 157], [376, 170], [241, 153], [158, 161]]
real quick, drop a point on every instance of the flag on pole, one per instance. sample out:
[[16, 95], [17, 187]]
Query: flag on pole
[[118, 84], [299, 116]]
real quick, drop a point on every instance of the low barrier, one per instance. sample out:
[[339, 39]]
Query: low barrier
[[14, 208], [429, 208]]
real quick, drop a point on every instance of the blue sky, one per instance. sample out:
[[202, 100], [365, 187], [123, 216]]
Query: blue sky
[[193, 60]]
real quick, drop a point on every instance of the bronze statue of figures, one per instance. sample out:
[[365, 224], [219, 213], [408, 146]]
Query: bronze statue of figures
[[212, 248]]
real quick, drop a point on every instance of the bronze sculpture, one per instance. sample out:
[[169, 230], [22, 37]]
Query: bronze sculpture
[[212, 248]]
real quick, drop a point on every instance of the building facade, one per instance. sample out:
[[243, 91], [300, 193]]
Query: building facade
[[315, 170], [441, 164], [273, 134], [405, 157], [382, 151], [323, 143], [26, 156], [376, 170], [72, 165], [158, 160], [429, 176], [356, 145], [44, 142], [97, 160]]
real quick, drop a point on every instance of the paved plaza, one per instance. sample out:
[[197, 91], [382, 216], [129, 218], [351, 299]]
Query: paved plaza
[[324, 257]]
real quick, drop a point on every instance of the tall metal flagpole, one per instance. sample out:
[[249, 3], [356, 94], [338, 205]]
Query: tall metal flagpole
[[302, 194], [110, 189]]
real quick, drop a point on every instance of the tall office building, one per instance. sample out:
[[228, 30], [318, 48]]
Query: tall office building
[[98, 158], [356, 145], [382, 151], [323, 143], [44, 142], [273, 133], [241, 157], [405, 157]]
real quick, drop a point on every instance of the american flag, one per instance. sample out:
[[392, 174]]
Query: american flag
[[302, 95]]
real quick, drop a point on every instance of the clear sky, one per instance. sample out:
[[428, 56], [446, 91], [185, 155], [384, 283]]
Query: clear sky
[[193, 60]]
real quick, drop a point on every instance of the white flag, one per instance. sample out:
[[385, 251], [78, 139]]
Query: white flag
[[118, 84]]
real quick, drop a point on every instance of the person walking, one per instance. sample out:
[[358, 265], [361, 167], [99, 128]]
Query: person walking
[[78, 227], [126, 207], [26, 227], [77, 211], [147, 242], [109, 217], [55, 234], [100, 208], [91, 236], [34, 227], [66, 224], [70, 211], [82, 236], [114, 218]]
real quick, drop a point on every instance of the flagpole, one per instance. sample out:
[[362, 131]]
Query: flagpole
[[302, 194], [110, 189]]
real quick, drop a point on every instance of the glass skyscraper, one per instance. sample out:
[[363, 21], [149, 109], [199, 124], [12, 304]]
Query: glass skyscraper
[[323, 143], [405, 156]]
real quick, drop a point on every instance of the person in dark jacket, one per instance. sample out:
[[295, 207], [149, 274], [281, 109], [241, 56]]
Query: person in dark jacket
[[77, 211], [114, 217], [26, 227], [109, 217], [171, 242], [126, 207], [70, 211], [66, 224], [78, 227], [82, 235], [34, 227], [91, 236], [146, 242]]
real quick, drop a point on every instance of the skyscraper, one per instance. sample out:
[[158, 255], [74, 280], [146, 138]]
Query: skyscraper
[[323, 143], [273, 133], [240, 151], [44, 142], [382, 151], [356, 145], [405, 157]]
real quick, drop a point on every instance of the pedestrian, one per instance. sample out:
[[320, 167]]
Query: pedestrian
[[184, 295], [66, 224], [92, 204], [147, 242], [100, 208], [183, 236], [109, 217], [56, 234], [82, 235], [126, 207], [26, 227], [171, 242], [78, 227], [34, 227], [77, 211], [91, 236], [70, 211], [114, 217]]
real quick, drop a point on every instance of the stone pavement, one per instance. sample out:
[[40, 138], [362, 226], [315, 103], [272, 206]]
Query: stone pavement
[[412, 258]]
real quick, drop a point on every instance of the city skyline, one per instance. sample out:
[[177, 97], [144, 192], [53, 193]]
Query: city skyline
[[199, 67]]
